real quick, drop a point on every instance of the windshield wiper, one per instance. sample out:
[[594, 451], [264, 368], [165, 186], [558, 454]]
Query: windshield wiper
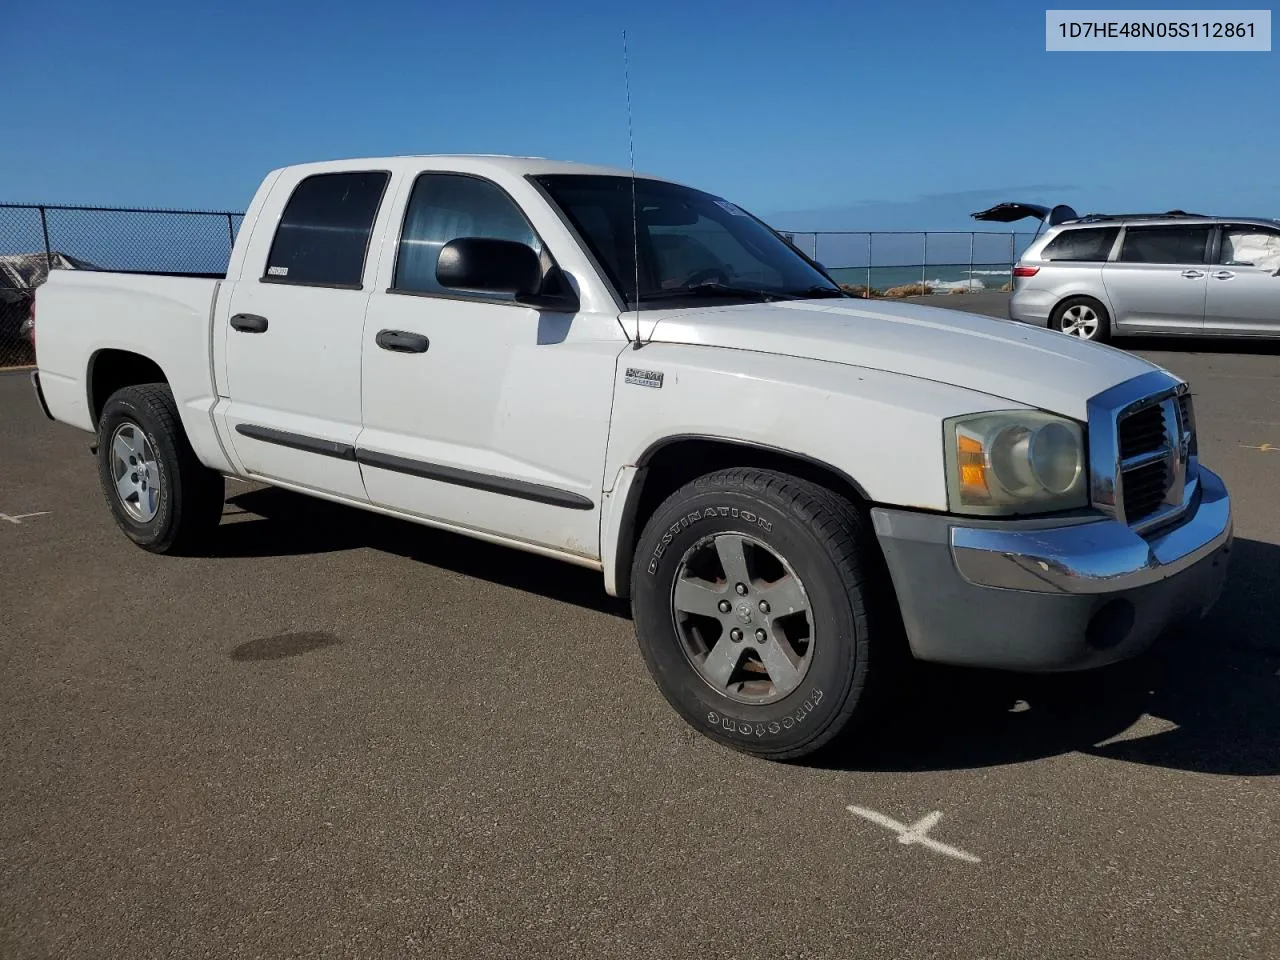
[[714, 289], [819, 292]]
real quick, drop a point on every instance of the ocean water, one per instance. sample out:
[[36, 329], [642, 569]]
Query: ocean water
[[943, 277]]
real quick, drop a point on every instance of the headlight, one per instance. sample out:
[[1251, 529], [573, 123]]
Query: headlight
[[1021, 461]]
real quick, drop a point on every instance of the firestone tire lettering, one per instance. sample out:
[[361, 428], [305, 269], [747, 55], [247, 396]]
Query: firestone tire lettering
[[775, 726]]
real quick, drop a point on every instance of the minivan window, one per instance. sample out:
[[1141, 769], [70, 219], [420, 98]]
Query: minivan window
[[1164, 244], [444, 207], [1082, 246], [324, 232], [1249, 246]]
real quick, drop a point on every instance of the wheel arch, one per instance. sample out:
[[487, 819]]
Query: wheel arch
[[110, 369], [671, 462], [1097, 296]]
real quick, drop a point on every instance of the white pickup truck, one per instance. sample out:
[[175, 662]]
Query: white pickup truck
[[793, 486]]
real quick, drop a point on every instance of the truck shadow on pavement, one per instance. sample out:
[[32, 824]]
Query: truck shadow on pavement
[[1205, 699], [292, 524]]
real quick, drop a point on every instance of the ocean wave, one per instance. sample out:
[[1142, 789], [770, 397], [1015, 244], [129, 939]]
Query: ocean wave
[[973, 284]]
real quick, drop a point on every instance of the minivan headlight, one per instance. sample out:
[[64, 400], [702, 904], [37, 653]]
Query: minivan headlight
[[1018, 461]]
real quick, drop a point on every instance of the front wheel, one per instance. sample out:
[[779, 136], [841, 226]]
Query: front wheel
[[757, 609]]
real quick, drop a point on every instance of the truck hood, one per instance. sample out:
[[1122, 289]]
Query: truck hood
[[1028, 365]]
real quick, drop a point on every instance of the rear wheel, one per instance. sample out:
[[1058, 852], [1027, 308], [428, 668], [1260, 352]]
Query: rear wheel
[[162, 497], [760, 612], [1082, 317]]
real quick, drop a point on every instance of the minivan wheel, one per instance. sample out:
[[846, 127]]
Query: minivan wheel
[[1082, 317], [761, 612]]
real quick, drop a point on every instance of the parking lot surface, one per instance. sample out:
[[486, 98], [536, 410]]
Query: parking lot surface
[[343, 736]]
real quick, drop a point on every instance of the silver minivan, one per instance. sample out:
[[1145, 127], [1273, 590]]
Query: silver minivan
[[1173, 273]]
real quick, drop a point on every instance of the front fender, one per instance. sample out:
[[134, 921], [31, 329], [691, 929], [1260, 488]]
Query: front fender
[[882, 431]]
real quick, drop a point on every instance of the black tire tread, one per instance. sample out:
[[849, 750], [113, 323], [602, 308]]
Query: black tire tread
[[197, 493], [844, 531]]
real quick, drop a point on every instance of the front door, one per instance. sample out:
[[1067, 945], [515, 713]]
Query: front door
[[295, 323], [1158, 282], [479, 413], [1244, 284]]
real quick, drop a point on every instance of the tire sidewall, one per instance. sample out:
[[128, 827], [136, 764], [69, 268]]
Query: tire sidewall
[[1104, 318], [120, 409], [806, 713]]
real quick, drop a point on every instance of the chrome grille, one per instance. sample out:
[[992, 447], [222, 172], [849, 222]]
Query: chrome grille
[[1144, 489], [1142, 432], [1142, 450]]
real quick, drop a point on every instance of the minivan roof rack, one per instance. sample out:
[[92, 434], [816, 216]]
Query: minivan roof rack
[[1167, 215]]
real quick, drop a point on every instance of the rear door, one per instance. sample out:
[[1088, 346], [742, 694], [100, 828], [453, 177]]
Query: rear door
[[295, 329], [1244, 282], [1157, 284]]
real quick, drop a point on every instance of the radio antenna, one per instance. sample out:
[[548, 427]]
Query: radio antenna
[[635, 227]]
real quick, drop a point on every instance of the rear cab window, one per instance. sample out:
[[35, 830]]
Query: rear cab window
[[1083, 245], [1165, 244], [323, 236]]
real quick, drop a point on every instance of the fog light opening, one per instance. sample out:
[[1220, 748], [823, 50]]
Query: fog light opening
[[1110, 625]]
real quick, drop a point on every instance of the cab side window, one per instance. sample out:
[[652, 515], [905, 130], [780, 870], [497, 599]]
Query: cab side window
[[444, 207], [323, 236]]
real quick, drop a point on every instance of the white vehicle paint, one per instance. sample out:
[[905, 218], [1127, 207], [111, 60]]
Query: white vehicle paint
[[538, 419]]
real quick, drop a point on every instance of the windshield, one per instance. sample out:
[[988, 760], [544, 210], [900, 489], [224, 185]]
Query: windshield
[[690, 243]]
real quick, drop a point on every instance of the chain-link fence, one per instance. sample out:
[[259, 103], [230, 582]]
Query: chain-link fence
[[904, 263], [35, 238]]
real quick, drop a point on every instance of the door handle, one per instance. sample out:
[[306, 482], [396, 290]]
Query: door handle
[[249, 323], [1193, 274], [1223, 275], [401, 341]]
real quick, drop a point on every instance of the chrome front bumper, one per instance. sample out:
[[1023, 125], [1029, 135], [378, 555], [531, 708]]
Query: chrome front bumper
[[1105, 556], [1052, 594]]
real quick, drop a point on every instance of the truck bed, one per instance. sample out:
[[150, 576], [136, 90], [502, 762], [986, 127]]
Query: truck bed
[[82, 314]]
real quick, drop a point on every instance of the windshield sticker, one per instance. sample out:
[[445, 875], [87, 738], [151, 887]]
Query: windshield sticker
[[278, 271], [726, 205]]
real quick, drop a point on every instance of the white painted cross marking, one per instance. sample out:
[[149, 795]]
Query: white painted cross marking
[[22, 516], [917, 832]]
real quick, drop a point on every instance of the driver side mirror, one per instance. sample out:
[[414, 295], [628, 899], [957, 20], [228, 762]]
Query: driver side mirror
[[489, 265]]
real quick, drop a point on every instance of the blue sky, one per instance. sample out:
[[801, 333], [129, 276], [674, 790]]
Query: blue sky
[[820, 115]]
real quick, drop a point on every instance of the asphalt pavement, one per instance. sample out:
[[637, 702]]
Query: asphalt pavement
[[344, 736]]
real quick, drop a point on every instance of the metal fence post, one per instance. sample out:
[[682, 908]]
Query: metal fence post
[[972, 235], [48, 250], [815, 248], [1012, 257], [869, 236], [924, 261]]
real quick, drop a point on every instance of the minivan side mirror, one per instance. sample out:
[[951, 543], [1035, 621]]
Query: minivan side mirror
[[489, 265]]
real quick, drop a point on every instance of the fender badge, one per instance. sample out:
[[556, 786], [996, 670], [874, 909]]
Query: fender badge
[[644, 378]]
